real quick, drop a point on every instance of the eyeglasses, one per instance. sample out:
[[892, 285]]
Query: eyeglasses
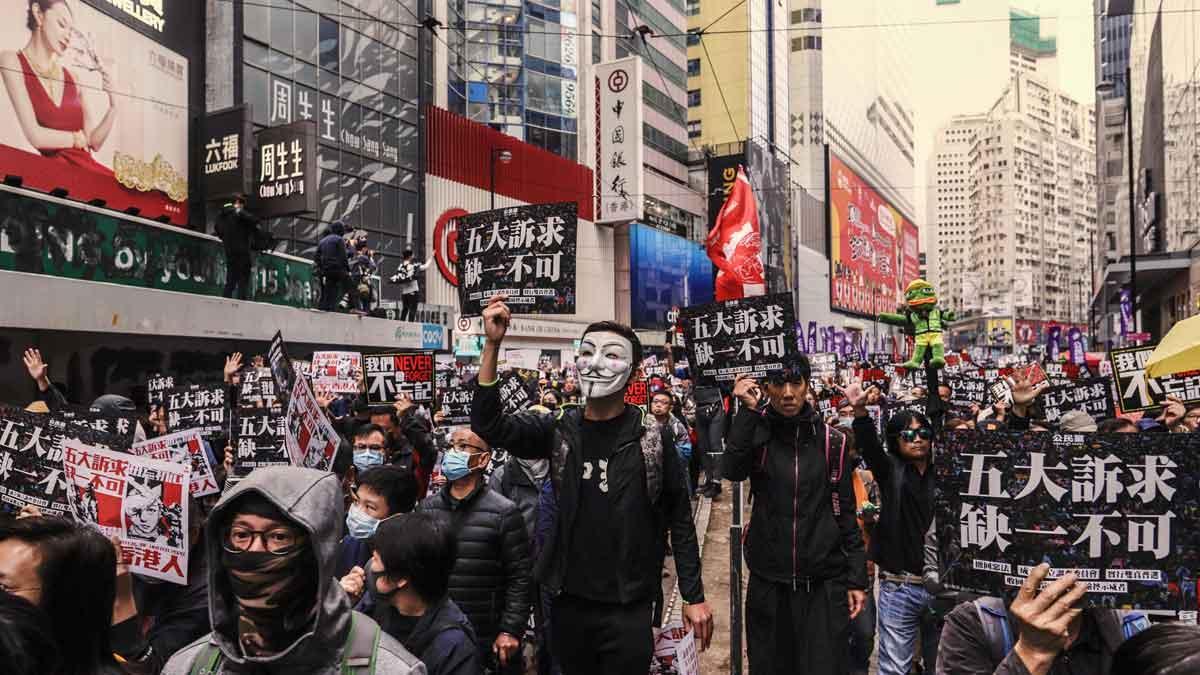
[[466, 447], [279, 540], [910, 435], [368, 446]]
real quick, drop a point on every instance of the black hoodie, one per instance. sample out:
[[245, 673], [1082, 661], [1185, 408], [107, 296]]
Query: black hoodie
[[794, 536]]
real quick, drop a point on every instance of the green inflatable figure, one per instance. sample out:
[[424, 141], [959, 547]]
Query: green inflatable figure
[[922, 319]]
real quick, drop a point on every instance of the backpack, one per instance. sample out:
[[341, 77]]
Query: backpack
[[651, 451], [1000, 637], [832, 437], [358, 658]]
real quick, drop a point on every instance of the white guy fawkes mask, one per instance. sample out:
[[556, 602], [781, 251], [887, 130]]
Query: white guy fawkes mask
[[603, 363]]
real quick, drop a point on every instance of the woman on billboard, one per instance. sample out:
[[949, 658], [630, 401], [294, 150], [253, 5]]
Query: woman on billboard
[[54, 115]]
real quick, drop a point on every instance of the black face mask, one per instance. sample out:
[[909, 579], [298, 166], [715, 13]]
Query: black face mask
[[380, 596], [276, 596]]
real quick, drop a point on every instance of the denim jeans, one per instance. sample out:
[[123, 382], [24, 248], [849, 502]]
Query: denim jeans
[[903, 610]]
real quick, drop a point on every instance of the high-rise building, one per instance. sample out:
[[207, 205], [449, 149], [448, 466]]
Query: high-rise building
[[949, 227], [1029, 51], [1032, 188]]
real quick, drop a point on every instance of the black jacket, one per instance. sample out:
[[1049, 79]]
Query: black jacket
[[535, 435], [794, 536], [332, 255], [237, 231], [442, 638], [491, 580], [892, 473]]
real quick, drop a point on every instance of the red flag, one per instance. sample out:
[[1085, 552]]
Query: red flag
[[735, 244]]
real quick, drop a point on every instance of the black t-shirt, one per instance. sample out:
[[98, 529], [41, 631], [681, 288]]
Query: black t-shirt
[[904, 551], [592, 561]]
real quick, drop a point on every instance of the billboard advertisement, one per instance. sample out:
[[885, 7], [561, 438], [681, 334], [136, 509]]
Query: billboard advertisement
[[722, 171], [768, 174], [95, 110], [873, 247], [665, 271]]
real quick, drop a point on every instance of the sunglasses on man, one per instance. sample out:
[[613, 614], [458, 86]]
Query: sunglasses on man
[[910, 435]]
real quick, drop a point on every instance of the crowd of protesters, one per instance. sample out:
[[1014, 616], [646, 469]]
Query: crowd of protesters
[[535, 542]]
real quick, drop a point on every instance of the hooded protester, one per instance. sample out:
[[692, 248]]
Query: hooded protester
[[27, 644], [332, 263], [274, 604]]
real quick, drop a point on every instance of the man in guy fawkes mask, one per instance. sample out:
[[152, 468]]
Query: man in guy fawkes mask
[[620, 488]]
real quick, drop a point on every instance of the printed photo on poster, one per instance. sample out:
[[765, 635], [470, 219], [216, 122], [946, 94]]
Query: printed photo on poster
[[525, 252], [183, 447], [1117, 509], [140, 500], [337, 372], [95, 108], [751, 336], [390, 375], [310, 439]]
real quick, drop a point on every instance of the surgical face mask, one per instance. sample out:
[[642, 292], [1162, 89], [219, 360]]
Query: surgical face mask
[[365, 459], [604, 363], [359, 524], [845, 421], [456, 464]]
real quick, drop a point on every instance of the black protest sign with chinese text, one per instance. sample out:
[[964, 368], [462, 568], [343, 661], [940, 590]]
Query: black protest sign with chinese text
[[31, 461], [118, 430], [456, 402], [1116, 509], [1139, 392], [1092, 396], [256, 388], [516, 393], [156, 386], [445, 372], [281, 367], [751, 336], [524, 252], [183, 447], [968, 387], [140, 500], [390, 375], [258, 440], [823, 365], [201, 407]]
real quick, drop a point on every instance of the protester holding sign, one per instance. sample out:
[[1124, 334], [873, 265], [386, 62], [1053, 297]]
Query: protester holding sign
[[804, 548], [603, 561]]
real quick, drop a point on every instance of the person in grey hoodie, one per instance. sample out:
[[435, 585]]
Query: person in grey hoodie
[[274, 604]]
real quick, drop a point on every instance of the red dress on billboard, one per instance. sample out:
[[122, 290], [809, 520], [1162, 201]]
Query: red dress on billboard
[[65, 116]]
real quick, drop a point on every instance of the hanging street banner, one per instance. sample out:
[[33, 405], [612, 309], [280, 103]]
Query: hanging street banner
[[751, 336], [525, 252], [140, 500], [390, 375], [310, 439], [31, 469], [200, 407], [1093, 396], [1139, 392], [1118, 510], [337, 372], [258, 440], [618, 166], [187, 448]]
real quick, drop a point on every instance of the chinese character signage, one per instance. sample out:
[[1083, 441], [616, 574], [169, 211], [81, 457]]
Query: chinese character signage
[[455, 403], [337, 372], [1137, 391], [201, 407], [31, 462], [226, 160], [256, 388], [823, 365], [140, 500], [258, 440], [310, 439], [526, 252], [515, 392], [872, 245], [1093, 396], [390, 375], [1116, 509], [285, 170], [131, 149], [751, 336], [156, 385], [183, 447], [969, 387], [618, 169], [117, 431]]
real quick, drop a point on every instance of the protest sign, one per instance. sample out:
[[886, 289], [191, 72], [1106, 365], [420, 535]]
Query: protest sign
[[1139, 392], [524, 252], [751, 336], [390, 375], [200, 407], [257, 388], [138, 499], [337, 372], [183, 447], [309, 437], [515, 394], [1117, 509], [638, 393], [653, 366], [117, 430], [31, 461], [445, 372], [1000, 392], [1093, 396], [675, 651], [456, 403], [966, 388], [156, 386], [281, 367], [258, 440]]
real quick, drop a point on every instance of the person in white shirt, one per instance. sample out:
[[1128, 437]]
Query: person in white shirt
[[410, 287]]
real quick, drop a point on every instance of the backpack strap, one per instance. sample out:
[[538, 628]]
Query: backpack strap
[[652, 456], [835, 468], [997, 630], [362, 645], [208, 661]]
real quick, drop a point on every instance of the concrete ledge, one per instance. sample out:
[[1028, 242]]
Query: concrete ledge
[[40, 302]]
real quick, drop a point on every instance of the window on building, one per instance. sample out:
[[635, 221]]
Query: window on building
[[693, 39], [597, 47], [693, 67], [693, 7], [693, 129], [693, 98]]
